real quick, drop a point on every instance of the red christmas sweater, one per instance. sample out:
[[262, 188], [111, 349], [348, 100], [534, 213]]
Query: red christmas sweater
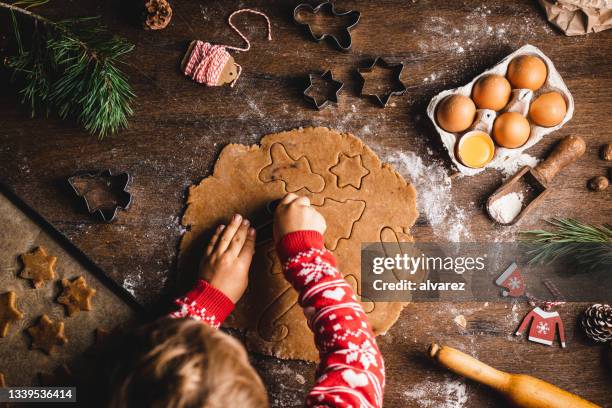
[[544, 327], [351, 372]]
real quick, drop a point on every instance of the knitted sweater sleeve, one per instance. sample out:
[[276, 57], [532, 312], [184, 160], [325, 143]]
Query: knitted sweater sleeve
[[351, 372], [206, 303]]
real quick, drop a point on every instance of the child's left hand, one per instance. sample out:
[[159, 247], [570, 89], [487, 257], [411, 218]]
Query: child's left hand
[[228, 257]]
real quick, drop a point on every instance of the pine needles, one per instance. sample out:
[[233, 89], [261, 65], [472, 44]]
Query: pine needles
[[71, 68], [588, 245]]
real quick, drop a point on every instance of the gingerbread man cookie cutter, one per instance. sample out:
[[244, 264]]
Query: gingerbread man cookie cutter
[[344, 43]]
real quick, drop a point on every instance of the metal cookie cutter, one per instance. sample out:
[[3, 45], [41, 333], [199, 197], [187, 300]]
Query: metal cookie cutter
[[345, 43], [102, 192], [328, 77], [397, 71]]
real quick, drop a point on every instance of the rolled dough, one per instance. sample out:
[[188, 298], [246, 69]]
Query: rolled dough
[[362, 199]]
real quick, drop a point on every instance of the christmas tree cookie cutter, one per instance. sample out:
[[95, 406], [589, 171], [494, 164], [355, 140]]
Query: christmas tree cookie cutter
[[345, 42], [331, 97], [396, 70], [102, 192]]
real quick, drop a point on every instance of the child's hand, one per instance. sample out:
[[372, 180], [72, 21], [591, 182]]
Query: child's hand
[[228, 257], [294, 213]]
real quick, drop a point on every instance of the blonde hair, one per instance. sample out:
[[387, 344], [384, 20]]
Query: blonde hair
[[184, 363]]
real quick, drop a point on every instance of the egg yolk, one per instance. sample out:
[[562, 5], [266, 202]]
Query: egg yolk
[[476, 149]]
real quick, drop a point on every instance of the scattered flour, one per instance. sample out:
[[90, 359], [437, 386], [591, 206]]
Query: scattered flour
[[511, 166], [435, 199], [448, 394], [507, 207]]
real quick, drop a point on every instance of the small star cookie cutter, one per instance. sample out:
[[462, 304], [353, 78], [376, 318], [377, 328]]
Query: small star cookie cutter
[[115, 184], [328, 77], [328, 8], [397, 68]]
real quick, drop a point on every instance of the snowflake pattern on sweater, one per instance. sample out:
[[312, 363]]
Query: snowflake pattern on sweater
[[351, 372]]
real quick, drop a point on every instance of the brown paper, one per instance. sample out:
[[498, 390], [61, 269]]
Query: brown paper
[[578, 17]]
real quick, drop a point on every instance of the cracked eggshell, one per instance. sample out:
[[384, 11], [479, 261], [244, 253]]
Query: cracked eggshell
[[520, 101]]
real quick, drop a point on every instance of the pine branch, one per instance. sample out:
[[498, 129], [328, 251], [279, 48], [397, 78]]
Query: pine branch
[[588, 245], [71, 68]]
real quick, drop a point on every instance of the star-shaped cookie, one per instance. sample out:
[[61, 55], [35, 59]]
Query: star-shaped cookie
[[38, 267], [350, 171], [46, 335], [8, 312], [76, 295]]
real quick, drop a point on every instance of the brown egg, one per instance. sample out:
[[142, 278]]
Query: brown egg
[[527, 71], [491, 92], [548, 109], [511, 130], [455, 113]]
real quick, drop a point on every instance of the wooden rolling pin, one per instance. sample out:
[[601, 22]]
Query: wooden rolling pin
[[521, 390]]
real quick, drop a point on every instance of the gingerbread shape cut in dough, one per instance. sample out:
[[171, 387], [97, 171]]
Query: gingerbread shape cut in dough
[[8, 312], [38, 267], [350, 171], [47, 334], [295, 173], [245, 179], [76, 295]]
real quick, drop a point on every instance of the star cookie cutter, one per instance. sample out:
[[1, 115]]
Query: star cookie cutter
[[92, 186], [397, 68], [328, 8], [328, 77]]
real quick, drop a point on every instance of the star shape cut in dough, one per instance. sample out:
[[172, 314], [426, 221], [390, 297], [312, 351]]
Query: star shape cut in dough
[[38, 267], [46, 335], [8, 312], [76, 295], [350, 171]]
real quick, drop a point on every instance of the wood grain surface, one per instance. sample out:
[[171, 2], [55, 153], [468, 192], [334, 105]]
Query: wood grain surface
[[179, 127]]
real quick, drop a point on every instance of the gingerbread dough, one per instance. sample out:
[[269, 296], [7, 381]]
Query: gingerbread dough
[[76, 295], [47, 334], [8, 312], [362, 199], [38, 267]]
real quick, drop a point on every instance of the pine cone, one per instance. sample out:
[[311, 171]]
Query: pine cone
[[597, 322], [158, 14]]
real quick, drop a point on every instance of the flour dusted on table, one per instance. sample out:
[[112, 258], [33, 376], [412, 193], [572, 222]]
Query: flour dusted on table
[[434, 198], [511, 166]]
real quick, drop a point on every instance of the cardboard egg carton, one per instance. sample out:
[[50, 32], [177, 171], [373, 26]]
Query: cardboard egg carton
[[520, 101]]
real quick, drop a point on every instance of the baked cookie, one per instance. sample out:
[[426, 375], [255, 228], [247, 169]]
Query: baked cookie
[[8, 312], [46, 335], [76, 295], [38, 267]]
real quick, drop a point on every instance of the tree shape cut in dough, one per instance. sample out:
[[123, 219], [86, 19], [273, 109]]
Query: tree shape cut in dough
[[268, 313], [47, 334], [76, 295], [8, 312], [341, 217], [38, 267], [349, 171], [297, 174]]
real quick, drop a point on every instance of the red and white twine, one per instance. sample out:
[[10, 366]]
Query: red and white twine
[[206, 61]]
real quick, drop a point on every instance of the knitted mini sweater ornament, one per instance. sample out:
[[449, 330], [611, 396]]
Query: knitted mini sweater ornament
[[212, 65]]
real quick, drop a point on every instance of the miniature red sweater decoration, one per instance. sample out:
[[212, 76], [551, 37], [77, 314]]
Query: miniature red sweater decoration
[[544, 327], [351, 372]]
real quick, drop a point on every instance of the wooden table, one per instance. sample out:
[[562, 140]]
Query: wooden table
[[179, 128]]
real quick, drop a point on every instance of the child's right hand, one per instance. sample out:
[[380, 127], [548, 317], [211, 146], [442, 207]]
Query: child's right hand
[[294, 213]]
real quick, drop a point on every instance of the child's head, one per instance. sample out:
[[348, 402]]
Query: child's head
[[185, 363]]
